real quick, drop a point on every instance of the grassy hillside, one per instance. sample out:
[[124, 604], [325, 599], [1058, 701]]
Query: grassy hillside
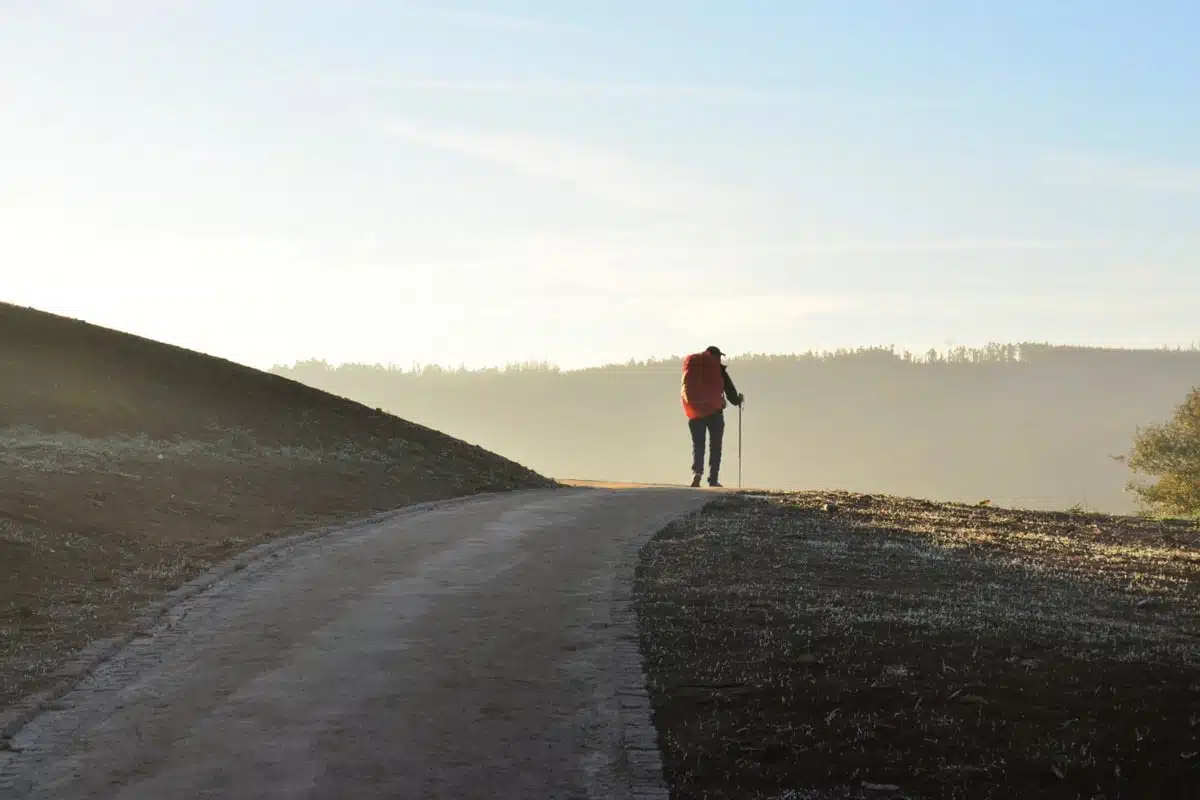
[[128, 466]]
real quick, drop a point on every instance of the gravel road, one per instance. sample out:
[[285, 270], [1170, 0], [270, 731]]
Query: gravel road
[[476, 648]]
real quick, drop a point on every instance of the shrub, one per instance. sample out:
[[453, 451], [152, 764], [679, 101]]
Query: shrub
[[1170, 452]]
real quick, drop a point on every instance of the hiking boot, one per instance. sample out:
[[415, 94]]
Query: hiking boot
[[696, 480], [714, 484]]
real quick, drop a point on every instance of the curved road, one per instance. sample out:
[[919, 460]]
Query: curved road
[[476, 648]]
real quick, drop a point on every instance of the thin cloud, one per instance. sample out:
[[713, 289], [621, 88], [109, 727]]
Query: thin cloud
[[508, 23], [610, 90], [924, 246], [1060, 301], [620, 267], [1091, 170], [734, 316], [118, 11], [719, 251], [746, 315], [601, 172], [136, 8], [594, 89]]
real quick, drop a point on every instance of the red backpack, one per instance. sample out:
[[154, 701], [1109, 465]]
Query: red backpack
[[703, 387]]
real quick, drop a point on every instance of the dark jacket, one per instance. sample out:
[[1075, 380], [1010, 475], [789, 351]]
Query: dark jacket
[[731, 392]]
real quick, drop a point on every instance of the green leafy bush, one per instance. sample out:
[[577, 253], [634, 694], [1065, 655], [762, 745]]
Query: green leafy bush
[[1170, 452]]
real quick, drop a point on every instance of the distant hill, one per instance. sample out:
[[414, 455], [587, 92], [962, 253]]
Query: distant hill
[[1026, 424]]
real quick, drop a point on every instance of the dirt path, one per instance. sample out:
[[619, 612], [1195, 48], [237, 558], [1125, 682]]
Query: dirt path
[[478, 648]]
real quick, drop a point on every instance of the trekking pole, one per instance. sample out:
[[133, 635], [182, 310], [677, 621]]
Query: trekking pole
[[740, 443]]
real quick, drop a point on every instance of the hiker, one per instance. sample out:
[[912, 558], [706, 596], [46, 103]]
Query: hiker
[[705, 387]]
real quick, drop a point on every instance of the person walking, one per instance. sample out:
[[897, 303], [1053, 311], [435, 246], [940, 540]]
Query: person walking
[[706, 389]]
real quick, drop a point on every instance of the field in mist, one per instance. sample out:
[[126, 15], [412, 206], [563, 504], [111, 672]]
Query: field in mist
[[1025, 425]]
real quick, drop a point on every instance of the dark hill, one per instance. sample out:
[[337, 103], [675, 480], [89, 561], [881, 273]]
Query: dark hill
[[128, 466]]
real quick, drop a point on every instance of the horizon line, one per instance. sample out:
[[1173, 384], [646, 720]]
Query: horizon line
[[918, 356]]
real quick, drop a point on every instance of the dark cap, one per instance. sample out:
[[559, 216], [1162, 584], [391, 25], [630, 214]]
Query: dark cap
[[716, 351]]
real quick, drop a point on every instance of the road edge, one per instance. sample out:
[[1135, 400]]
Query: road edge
[[77, 669], [640, 751]]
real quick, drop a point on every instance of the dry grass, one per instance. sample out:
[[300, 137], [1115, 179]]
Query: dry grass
[[835, 645], [64, 591], [92, 529], [28, 448]]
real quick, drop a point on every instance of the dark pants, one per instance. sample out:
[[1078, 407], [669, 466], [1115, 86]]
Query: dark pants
[[714, 425]]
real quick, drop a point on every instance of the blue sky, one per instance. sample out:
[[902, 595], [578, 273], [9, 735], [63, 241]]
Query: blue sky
[[584, 182]]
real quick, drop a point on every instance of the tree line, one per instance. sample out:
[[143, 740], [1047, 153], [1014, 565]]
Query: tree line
[[1030, 424]]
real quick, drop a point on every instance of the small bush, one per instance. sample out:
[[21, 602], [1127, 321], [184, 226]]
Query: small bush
[[1170, 452]]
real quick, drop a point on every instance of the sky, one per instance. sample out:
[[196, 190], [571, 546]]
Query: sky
[[478, 183]]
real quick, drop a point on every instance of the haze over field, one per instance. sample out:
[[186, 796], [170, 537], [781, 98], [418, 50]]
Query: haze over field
[[1022, 425]]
